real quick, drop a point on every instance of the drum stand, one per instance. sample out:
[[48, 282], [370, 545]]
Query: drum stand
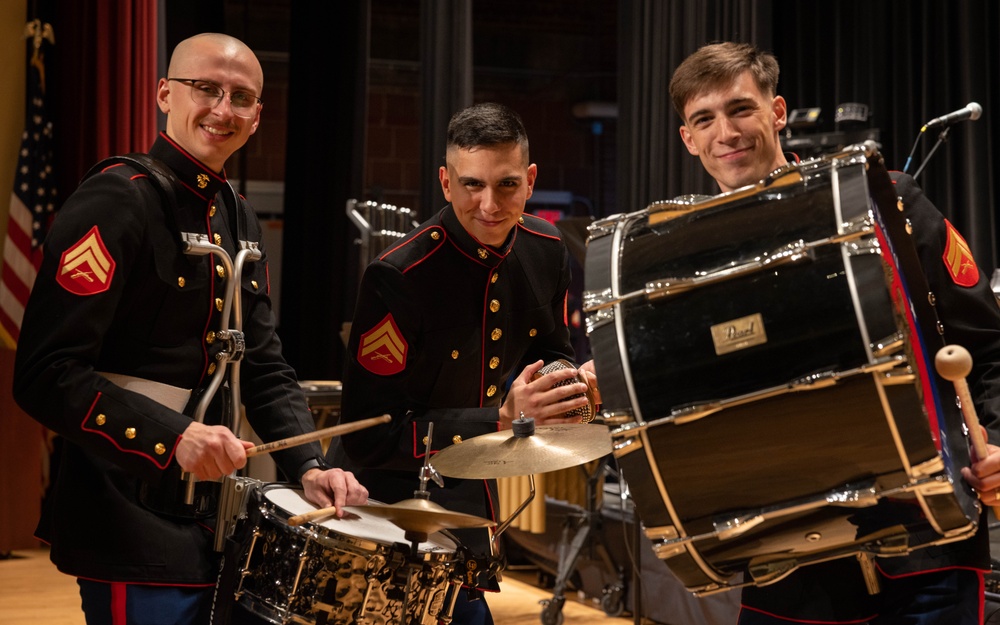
[[587, 524], [234, 344]]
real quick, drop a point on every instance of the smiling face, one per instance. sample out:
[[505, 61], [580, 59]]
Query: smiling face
[[488, 187], [210, 134], [734, 129]]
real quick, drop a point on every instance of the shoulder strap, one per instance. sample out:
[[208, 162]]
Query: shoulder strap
[[162, 177]]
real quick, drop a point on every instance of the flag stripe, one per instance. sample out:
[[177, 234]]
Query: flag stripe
[[32, 205]]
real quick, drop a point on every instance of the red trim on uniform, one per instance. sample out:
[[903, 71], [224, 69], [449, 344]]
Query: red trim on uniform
[[154, 584], [535, 232], [191, 158], [566, 309], [112, 166], [83, 427], [782, 618], [413, 239], [937, 570], [138, 176], [119, 603]]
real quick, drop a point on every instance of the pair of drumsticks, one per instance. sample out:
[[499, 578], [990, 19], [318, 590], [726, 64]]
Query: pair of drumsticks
[[301, 439]]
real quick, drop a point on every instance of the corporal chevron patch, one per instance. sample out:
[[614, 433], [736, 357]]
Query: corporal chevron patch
[[87, 267], [382, 350], [958, 258]]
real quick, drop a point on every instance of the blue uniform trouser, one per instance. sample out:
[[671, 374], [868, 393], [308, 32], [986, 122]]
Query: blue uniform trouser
[[116, 603]]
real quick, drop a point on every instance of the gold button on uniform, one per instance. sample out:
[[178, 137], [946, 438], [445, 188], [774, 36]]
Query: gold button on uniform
[[101, 419], [254, 284], [520, 220], [423, 441], [496, 334], [494, 306], [160, 449], [494, 278], [456, 439], [482, 253], [211, 368], [219, 269], [218, 303], [494, 362], [129, 433], [217, 238], [491, 391], [435, 235], [454, 354], [532, 332], [180, 281], [210, 337], [211, 211]]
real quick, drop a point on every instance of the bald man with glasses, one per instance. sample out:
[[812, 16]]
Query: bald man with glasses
[[122, 336]]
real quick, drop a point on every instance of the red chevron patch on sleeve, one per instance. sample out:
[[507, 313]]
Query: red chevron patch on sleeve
[[958, 259], [382, 350], [86, 268]]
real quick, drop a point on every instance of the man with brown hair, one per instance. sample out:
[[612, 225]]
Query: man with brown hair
[[725, 94]]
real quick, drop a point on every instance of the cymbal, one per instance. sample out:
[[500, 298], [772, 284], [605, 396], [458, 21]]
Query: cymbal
[[422, 516], [502, 454]]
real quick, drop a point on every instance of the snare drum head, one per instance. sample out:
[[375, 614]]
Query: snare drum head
[[357, 523]]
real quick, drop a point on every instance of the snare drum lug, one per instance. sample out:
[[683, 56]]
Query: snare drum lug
[[664, 532]]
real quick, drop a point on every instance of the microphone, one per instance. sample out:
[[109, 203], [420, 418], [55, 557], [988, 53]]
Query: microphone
[[972, 111]]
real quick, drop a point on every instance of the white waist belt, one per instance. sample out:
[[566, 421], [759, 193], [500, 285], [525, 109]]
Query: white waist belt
[[173, 397]]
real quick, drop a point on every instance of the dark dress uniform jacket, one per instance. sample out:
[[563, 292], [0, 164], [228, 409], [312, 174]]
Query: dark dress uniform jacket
[[442, 323], [835, 592], [115, 294]]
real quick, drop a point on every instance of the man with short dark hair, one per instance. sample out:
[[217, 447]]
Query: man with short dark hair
[[470, 299], [731, 118]]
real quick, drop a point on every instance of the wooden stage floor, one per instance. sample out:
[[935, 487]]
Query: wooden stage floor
[[33, 592]]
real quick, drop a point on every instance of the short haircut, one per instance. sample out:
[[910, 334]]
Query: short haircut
[[718, 64], [486, 124]]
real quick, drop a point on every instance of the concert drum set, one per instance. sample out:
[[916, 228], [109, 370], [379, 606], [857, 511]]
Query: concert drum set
[[769, 394]]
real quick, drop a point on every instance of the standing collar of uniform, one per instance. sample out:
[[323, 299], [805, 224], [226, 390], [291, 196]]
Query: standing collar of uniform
[[470, 245], [192, 173]]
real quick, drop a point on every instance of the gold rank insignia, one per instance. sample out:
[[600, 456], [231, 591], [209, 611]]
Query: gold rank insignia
[[382, 350], [202, 181], [958, 259], [87, 267]]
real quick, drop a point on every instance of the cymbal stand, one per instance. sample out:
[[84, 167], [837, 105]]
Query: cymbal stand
[[588, 523], [230, 332]]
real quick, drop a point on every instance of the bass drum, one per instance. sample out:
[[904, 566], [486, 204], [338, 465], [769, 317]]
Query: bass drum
[[771, 384]]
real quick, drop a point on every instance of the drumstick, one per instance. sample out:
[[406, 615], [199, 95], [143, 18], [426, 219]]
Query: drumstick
[[301, 439], [299, 519], [953, 362]]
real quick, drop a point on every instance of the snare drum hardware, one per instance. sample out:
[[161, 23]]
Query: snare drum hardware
[[770, 365], [355, 569]]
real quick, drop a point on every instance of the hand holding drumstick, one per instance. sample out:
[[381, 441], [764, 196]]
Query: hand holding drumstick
[[954, 363]]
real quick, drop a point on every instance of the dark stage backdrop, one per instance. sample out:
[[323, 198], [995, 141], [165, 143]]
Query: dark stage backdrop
[[908, 60]]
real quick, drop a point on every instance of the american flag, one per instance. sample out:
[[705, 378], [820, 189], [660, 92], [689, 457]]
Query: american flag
[[33, 200]]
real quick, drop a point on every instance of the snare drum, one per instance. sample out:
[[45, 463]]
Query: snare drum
[[356, 569], [774, 386]]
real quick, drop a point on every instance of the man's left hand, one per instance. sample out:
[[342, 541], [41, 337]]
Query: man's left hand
[[333, 487]]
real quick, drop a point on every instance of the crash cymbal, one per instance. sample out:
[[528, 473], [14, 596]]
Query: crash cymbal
[[504, 454], [422, 516]]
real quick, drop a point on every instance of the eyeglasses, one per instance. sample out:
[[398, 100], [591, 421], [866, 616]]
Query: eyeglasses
[[205, 93]]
